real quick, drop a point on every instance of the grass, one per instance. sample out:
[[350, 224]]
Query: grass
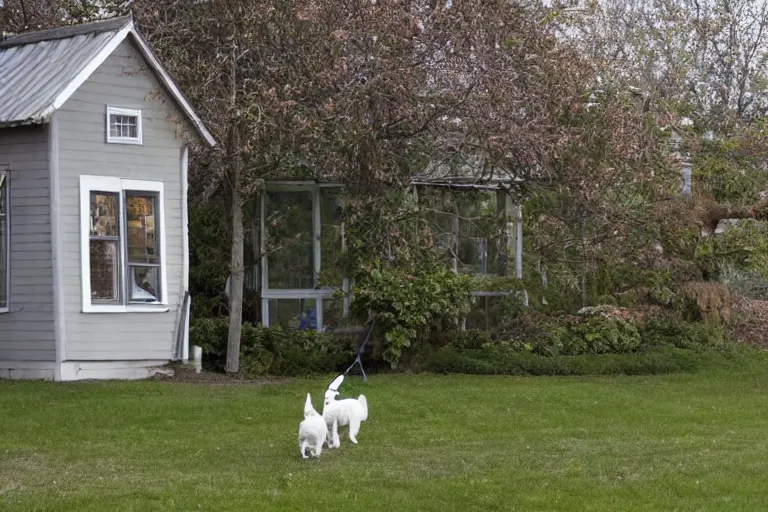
[[674, 442]]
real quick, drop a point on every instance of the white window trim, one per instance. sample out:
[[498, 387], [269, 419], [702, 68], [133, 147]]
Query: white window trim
[[119, 186], [138, 140], [5, 175]]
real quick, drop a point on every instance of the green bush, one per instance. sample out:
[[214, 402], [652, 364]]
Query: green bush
[[601, 335], [461, 339], [565, 345], [271, 351], [408, 306], [499, 361], [209, 264], [595, 333], [688, 335], [210, 334], [743, 246]]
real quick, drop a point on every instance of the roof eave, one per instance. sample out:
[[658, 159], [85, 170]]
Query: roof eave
[[171, 85], [25, 122]]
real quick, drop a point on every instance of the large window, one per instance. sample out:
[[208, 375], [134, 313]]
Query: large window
[[301, 244], [5, 253], [302, 238], [122, 245], [467, 228]]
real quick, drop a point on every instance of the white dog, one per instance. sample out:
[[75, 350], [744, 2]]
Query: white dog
[[313, 431], [350, 411]]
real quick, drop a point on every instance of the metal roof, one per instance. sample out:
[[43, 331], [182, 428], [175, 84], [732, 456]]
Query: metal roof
[[40, 70]]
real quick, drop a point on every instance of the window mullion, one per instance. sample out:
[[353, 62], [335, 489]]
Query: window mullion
[[316, 227], [262, 243]]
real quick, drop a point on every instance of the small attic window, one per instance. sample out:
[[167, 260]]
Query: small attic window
[[123, 126]]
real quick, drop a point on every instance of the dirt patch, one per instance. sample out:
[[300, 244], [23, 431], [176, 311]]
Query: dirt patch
[[185, 374], [750, 322]]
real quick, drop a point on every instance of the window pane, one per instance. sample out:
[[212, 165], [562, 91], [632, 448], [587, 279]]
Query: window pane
[[141, 219], [293, 314], [479, 233], [487, 313], [104, 219], [330, 236], [332, 312], [123, 126], [473, 255], [105, 281], [288, 243], [441, 217], [144, 284]]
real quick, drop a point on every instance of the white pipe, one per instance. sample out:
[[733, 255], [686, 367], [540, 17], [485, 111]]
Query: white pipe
[[197, 352]]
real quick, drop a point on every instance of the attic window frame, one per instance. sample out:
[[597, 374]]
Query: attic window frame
[[128, 112]]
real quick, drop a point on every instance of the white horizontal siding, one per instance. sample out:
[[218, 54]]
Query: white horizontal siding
[[27, 332], [83, 150]]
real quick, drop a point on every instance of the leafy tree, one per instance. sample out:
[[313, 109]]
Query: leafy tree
[[369, 93]]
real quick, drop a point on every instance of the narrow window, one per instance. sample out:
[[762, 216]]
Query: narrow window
[[105, 248], [143, 265]]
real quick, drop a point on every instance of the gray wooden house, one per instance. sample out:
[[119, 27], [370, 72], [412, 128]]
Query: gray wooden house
[[93, 205]]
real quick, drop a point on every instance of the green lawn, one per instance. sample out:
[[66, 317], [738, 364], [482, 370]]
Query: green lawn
[[677, 442]]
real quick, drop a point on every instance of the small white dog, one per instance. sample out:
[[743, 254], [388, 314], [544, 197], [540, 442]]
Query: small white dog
[[313, 431], [350, 411]]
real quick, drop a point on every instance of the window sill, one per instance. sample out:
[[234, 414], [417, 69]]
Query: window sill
[[132, 142], [298, 293], [132, 308]]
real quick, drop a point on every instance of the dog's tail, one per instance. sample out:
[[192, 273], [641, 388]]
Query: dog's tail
[[308, 409], [364, 402]]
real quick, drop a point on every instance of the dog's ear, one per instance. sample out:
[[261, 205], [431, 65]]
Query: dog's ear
[[334, 385]]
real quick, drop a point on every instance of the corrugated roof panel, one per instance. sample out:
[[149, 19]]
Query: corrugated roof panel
[[33, 75]]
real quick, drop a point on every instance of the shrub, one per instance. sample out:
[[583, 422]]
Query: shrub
[[742, 246], [670, 331], [271, 351], [599, 330], [601, 335], [461, 339], [499, 361], [744, 282], [211, 334], [408, 306]]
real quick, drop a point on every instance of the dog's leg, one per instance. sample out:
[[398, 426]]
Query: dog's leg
[[354, 428], [303, 447], [335, 435], [318, 448]]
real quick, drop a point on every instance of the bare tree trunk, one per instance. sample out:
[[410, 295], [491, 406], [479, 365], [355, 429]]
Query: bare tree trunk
[[236, 265]]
